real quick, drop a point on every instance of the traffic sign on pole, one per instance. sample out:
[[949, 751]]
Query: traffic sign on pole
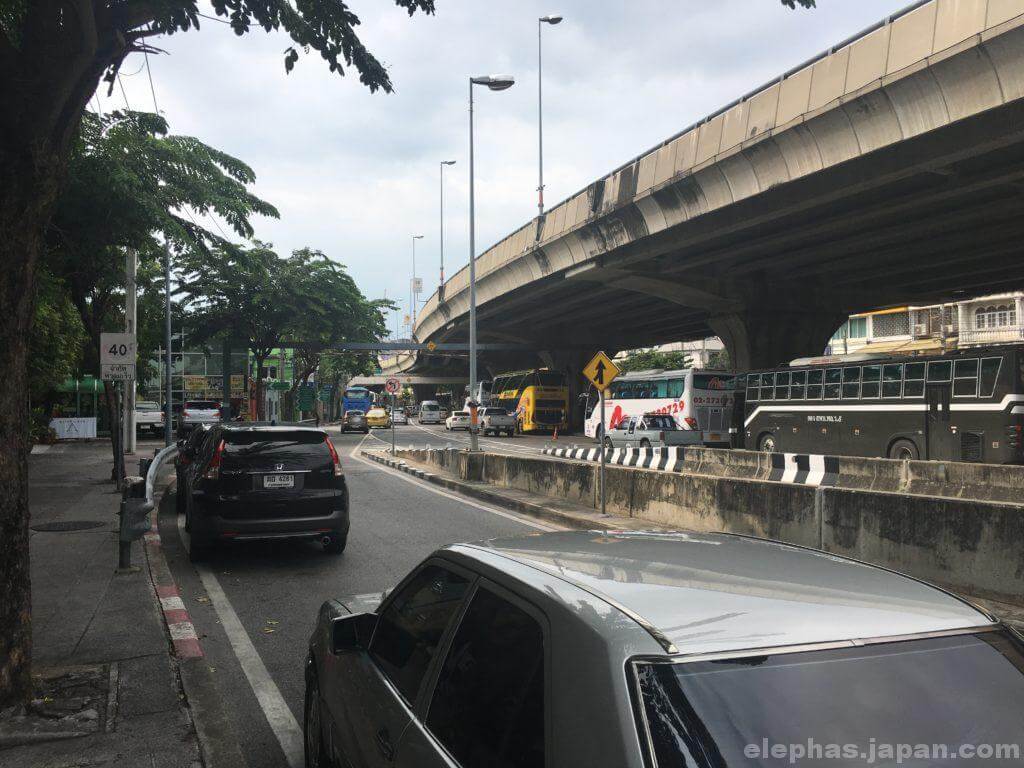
[[601, 371], [392, 386]]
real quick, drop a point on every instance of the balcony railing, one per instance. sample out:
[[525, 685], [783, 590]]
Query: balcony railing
[[1006, 334]]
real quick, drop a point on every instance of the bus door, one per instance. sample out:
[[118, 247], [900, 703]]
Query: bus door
[[938, 438]]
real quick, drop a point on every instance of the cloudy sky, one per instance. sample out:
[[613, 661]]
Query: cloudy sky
[[356, 174]]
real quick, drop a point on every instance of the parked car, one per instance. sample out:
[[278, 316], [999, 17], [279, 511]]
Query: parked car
[[354, 421], [399, 416], [458, 420], [430, 412], [495, 421], [623, 650], [378, 418], [197, 412], [413, 410], [148, 415], [188, 447], [263, 482], [652, 430]]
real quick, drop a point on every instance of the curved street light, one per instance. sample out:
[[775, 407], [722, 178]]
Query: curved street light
[[549, 19], [440, 286]]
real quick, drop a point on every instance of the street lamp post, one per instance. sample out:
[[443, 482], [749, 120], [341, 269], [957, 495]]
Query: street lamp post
[[494, 83], [412, 285], [440, 286], [549, 19]]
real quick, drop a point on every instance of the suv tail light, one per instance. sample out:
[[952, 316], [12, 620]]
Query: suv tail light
[[213, 471], [691, 422], [334, 457]]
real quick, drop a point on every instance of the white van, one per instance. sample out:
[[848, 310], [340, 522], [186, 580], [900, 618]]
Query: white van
[[430, 412]]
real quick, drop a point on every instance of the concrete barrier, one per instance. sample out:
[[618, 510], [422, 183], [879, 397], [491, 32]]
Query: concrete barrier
[[974, 546]]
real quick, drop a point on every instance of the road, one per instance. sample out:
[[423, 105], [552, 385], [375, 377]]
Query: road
[[274, 590], [420, 436]]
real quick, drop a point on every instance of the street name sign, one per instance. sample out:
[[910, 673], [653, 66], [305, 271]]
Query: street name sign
[[117, 372], [601, 371]]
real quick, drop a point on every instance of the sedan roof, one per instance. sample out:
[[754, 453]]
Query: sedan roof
[[706, 593]]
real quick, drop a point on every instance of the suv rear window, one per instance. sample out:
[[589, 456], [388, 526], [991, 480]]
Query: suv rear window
[[203, 405], [301, 449], [430, 407]]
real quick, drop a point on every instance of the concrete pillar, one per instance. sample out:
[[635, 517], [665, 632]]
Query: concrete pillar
[[765, 337], [571, 363], [424, 392]]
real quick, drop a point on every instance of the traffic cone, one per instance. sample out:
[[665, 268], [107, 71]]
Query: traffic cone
[[555, 436]]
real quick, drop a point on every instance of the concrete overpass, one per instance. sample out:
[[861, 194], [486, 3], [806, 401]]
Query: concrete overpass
[[424, 386], [889, 169]]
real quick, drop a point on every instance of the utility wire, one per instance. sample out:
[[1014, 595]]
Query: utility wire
[[125, 95], [152, 90]]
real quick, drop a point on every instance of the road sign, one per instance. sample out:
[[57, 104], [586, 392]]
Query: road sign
[[601, 371], [117, 348], [306, 395], [117, 371], [393, 386], [431, 346]]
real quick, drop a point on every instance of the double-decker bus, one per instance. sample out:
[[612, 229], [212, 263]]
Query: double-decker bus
[[966, 405], [357, 399], [539, 398], [697, 399]]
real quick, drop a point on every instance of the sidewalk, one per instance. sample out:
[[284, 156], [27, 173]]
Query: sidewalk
[[101, 651]]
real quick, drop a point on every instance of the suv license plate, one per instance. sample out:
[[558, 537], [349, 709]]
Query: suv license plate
[[279, 481]]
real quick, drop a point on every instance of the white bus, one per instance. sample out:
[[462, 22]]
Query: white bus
[[698, 400]]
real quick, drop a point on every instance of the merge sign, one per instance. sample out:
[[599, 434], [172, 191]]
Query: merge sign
[[601, 371]]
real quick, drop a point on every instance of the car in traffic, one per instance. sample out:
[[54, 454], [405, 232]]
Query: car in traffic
[[196, 412], [149, 416], [187, 449], [496, 421], [630, 649], [378, 418], [458, 420], [354, 421], [652, 430], [399, 416], [430, 412], [246, 483]]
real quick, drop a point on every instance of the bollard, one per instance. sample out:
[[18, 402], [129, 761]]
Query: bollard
[[144, 465], [134, 489]]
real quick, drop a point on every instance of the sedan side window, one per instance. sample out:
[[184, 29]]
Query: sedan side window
[[488, 705], [410, 628]]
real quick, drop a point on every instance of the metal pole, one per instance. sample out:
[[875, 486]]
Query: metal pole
[[413, 288], [130, 295], [473, 444], [603, 457], [440, 293], [392, 423], [225, 405], [169, 408], [540, 128]]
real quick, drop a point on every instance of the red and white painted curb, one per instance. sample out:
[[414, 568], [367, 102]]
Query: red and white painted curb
[[179, 624]]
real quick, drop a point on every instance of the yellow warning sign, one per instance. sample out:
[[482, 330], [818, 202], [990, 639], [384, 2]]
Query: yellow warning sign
[[601, 371]]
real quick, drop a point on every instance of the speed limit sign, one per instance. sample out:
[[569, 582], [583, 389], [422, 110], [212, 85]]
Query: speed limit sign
[[392, 386]]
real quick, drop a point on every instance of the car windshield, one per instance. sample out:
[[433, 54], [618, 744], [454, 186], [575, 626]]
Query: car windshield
[[666, 423], [495, 412], [954, 697], [141, 406], [202, 405], [259, 449], [353, 413], [460, 413], [430, 407]]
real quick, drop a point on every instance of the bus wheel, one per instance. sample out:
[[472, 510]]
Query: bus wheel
[[767, 443], [903, 450], [645, 443], [608, 443]]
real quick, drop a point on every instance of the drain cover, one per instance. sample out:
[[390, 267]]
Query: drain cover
[[68, 525]]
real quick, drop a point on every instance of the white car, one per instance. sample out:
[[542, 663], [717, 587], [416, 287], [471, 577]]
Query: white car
[[458, 420], [398, 416], [148, 415], [496, 421], [198, 412], [430, 412]]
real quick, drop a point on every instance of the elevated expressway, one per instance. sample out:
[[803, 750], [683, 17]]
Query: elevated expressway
[[889, 169]]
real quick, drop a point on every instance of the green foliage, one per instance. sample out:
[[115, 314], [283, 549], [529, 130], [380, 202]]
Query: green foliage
[[55, 347], [647, 360]]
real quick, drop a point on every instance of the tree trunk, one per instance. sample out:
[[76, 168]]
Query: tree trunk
[[111, 391], [261, 410]]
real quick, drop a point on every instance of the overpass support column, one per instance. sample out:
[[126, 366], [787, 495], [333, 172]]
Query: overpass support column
[[571, 364], [760, 337], [424, 392]]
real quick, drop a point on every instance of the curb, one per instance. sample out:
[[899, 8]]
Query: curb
[[179, 625]]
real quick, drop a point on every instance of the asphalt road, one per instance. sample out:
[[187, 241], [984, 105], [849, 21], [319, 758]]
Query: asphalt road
[[275, 589], [420, 436]]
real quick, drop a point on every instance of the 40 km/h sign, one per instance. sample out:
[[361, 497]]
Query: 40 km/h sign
[[117, 356], [601, 371]]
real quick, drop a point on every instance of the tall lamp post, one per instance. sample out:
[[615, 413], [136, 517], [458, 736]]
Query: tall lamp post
[[412, 286], [494, 83], [440, 286], [550, 19]]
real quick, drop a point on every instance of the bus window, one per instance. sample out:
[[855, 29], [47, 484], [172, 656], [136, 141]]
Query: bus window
[[833, 378], [989, 373], [814, 380], [753, 387], [782, 386], [892, 380], [965, 378], [851, 383], [913, 380], [676, 387], [871, 385], [797, 390], [551, 379], [767, 386], [661, 388], [939, 371]]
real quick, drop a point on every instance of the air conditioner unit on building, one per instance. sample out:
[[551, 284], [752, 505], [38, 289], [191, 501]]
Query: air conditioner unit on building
[[949, 329], [921, 329]]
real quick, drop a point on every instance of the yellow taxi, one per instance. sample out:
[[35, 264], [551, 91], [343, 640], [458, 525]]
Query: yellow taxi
[[378, 418]]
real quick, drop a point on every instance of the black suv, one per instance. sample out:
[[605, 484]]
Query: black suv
[[265, 482]]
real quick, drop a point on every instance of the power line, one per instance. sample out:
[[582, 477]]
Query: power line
[[125, 95], [214, 18], [152, 90]]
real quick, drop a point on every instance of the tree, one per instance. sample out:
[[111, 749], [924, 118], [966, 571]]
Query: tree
[[53, 54], [55, 349], [652, 358]]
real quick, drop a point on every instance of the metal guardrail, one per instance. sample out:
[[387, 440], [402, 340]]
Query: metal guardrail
[[137, 503]]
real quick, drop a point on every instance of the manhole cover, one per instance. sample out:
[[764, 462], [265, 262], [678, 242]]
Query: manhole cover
[[68, 525]]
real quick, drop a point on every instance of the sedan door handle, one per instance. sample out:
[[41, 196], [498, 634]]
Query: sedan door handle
[[384, 745]]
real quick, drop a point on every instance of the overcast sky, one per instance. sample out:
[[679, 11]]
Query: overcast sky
[[356, 175]]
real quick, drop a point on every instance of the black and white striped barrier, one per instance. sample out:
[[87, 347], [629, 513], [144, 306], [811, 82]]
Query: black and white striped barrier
[[804, 469], [668, 459]]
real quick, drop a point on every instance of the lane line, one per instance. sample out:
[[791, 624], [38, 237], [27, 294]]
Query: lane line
[[279, 716]]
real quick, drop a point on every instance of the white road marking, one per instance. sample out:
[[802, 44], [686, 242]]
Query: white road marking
[[279, 716], [463, 439]]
